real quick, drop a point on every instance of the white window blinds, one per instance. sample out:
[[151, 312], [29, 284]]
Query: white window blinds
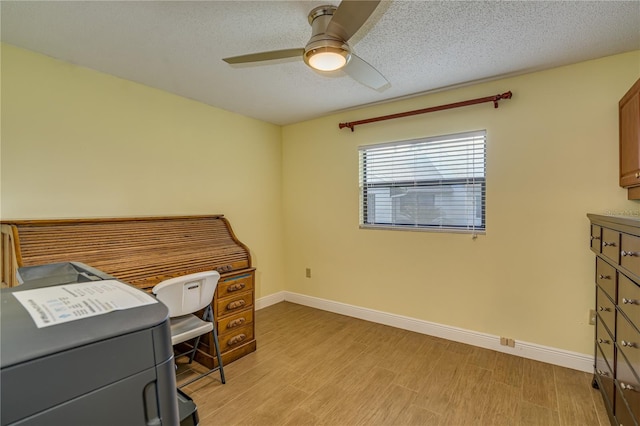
[[430, 183]]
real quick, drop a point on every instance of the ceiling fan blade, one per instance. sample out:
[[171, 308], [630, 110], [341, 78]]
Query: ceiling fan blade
[[361, 71], [349, 17], [265, 56]]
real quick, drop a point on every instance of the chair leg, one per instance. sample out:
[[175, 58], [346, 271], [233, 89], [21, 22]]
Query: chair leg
[[195, 349], [217, 345], [208, 316]]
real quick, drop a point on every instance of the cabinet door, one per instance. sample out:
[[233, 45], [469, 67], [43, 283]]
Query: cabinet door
[[629, 115]]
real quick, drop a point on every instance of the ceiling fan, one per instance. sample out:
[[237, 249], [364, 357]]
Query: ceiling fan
[[327, 49]]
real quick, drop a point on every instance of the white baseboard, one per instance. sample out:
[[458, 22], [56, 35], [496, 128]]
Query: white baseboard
[[269, 300], [560, 357]]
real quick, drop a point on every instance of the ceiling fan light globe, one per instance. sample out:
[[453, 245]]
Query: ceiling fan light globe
[[327, 58], [327, 61]]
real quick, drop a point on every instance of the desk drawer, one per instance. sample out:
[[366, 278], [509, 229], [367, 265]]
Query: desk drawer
[[606, 277], [236, 338], [228, 305], [233, 285], [232, 322], [611, 245], [606, 311]]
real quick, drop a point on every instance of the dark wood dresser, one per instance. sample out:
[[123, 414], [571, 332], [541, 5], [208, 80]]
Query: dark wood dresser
[[142, 251], [616, 243]]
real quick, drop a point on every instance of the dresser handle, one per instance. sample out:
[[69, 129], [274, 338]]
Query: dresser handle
[[593, 237], [628, 344], [604, 277], [235, 305], [602, 373], [637, 175], [603, 309], [606, 244], [236, 322], [628, 253], [236, 339], [606, 342], [624, 386], [235, 287], [626, 301]]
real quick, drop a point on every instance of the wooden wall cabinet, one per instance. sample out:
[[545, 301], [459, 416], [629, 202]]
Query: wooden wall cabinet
[[629, 116], [616, 243]]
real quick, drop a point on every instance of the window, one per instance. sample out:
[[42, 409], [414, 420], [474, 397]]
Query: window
[[431, 183]]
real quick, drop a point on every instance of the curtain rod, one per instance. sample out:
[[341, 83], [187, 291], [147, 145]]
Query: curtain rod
[[494, 99]]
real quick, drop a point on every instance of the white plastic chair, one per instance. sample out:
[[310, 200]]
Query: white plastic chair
[[184, 296]]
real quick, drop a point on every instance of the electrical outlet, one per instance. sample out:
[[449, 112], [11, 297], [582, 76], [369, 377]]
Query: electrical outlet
[[308, 273], [592, 317], [505, 341]]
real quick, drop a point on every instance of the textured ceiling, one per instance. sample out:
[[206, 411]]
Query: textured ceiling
[[419, 46]]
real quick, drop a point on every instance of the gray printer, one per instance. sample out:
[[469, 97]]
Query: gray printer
[[110, 369]]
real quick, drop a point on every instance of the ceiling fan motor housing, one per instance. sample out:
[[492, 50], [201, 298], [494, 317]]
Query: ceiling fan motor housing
[[319, 19]]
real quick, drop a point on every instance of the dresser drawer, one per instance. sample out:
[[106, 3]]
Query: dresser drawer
[[606, 311], [606, 342], [629, 299], [236, 337], [604, 376], [629, 386], [596, 235], [622, 412], [630, 253], [611, 245], [628, 342], [229, 305], [606, 277], [235, 321], [233, 285]]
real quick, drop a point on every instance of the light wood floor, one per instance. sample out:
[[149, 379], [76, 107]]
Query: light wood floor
[[318, 368]]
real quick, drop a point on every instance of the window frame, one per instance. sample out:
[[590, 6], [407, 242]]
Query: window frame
[[365, 188]]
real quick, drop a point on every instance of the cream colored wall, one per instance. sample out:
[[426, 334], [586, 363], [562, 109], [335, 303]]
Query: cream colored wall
[[552, 157], [78, 143]]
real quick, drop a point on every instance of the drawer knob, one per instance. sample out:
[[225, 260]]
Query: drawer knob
[[626, 301], [593, 237], [603, 309], [606, 342], [628, 253], [236, 339], [236, 323], [625, 386], [606, 244], [637, 175], [604, 277], [628, 344], [235, 305], [235, 287], [602, 373]]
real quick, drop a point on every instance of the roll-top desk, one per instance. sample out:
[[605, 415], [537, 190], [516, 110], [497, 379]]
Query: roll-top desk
[[616, 243], [142, 251]]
